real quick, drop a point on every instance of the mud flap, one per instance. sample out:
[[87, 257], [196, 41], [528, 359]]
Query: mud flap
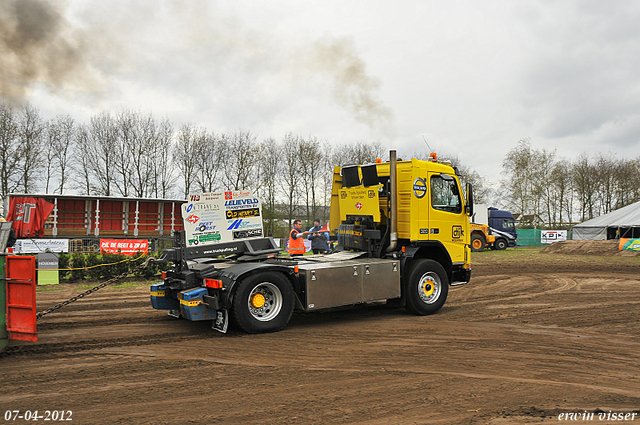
[[222, 321]]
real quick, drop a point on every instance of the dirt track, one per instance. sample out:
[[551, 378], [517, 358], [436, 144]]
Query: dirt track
[[529, 338]]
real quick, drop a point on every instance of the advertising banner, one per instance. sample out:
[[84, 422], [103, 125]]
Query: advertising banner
[[627, 244], [211, 218], [47, 268], [35, 246], [28, 215], [124, 246], [551, 236]]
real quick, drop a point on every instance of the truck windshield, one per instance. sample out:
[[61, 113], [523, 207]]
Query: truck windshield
[[509, 224], [445, 195]]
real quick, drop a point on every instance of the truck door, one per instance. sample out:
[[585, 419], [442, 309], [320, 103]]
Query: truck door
[[447, 222]]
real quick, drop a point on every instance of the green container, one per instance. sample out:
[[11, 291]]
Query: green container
[[533, 237], [529, 237]]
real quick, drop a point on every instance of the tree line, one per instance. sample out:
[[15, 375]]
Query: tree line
[[562, 191], [131, 154]]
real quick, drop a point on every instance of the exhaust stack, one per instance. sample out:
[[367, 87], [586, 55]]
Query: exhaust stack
[[393, 180]]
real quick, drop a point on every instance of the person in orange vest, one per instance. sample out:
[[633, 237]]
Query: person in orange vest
[[296, 239]]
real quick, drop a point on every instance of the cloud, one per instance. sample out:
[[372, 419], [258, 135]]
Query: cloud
[[191, 51], [582, 74]]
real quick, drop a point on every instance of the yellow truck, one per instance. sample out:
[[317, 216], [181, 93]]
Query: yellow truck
[[403, 237]]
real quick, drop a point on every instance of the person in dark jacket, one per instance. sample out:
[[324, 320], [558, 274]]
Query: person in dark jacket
[[318, 239]]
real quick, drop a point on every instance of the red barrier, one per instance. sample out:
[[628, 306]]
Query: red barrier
[[21, 298]]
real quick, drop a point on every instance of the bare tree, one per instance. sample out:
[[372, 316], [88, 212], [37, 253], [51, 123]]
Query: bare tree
[[627, 182], [268, 171], [606, 165], [82, 165], [30, 134], [59, 136], [585, 184], [136, 138], [100, 148], [185, 153], [209, 161], [163, 176], [560, 182], [290, 172], [9, 152], [358, 153], [311, 161], [543, 162], [239, 166], [62, 147], [517, 166], [327, 175]]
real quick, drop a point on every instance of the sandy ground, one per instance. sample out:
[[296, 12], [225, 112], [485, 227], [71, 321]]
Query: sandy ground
[[533, 336]]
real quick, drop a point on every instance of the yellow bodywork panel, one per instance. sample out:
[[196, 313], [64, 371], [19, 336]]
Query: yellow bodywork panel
[[360, 200], [430, 205]]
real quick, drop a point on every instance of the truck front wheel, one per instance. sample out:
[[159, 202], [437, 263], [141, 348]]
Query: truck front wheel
[[501, 244], [427, 287], [263, 303], [477, 243]]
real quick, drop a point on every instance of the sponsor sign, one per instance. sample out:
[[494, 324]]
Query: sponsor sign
[[124, 246], [551, 236], [35, 246], [627, 244], [360, 201], [47, 268], [212, 218]]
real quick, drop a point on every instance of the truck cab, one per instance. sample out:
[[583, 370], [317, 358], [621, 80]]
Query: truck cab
[[492, 228], [503, 225]]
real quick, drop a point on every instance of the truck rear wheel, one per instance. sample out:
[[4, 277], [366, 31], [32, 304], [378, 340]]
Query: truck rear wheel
[[477, 243], [263, 303], [426, 288]]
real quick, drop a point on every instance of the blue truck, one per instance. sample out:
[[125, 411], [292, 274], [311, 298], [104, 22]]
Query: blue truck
[[492, 228]]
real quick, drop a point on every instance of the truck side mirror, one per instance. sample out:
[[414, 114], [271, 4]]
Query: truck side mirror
[[469, 206]]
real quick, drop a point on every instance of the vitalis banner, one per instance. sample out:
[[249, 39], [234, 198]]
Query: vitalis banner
[[211, 218]]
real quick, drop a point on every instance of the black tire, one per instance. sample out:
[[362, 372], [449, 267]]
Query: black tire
[[501, 244], [263, 303], [426, 288], [478, 243]]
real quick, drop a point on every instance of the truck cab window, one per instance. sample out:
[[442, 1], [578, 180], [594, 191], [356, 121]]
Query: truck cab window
[[445, 195]]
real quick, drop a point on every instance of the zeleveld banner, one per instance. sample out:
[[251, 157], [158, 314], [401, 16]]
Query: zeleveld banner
[[211, 218], [124, 246]]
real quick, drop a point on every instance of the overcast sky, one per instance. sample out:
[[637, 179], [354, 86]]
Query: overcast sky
[[472, 77]]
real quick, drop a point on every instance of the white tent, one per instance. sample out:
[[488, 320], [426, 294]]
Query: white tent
[[621, 223]]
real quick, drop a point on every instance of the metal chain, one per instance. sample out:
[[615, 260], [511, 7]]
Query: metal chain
[[94, 289]]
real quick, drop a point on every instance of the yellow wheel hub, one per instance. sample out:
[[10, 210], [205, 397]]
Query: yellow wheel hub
[[428, 287], [477, 244], [257, 300]]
